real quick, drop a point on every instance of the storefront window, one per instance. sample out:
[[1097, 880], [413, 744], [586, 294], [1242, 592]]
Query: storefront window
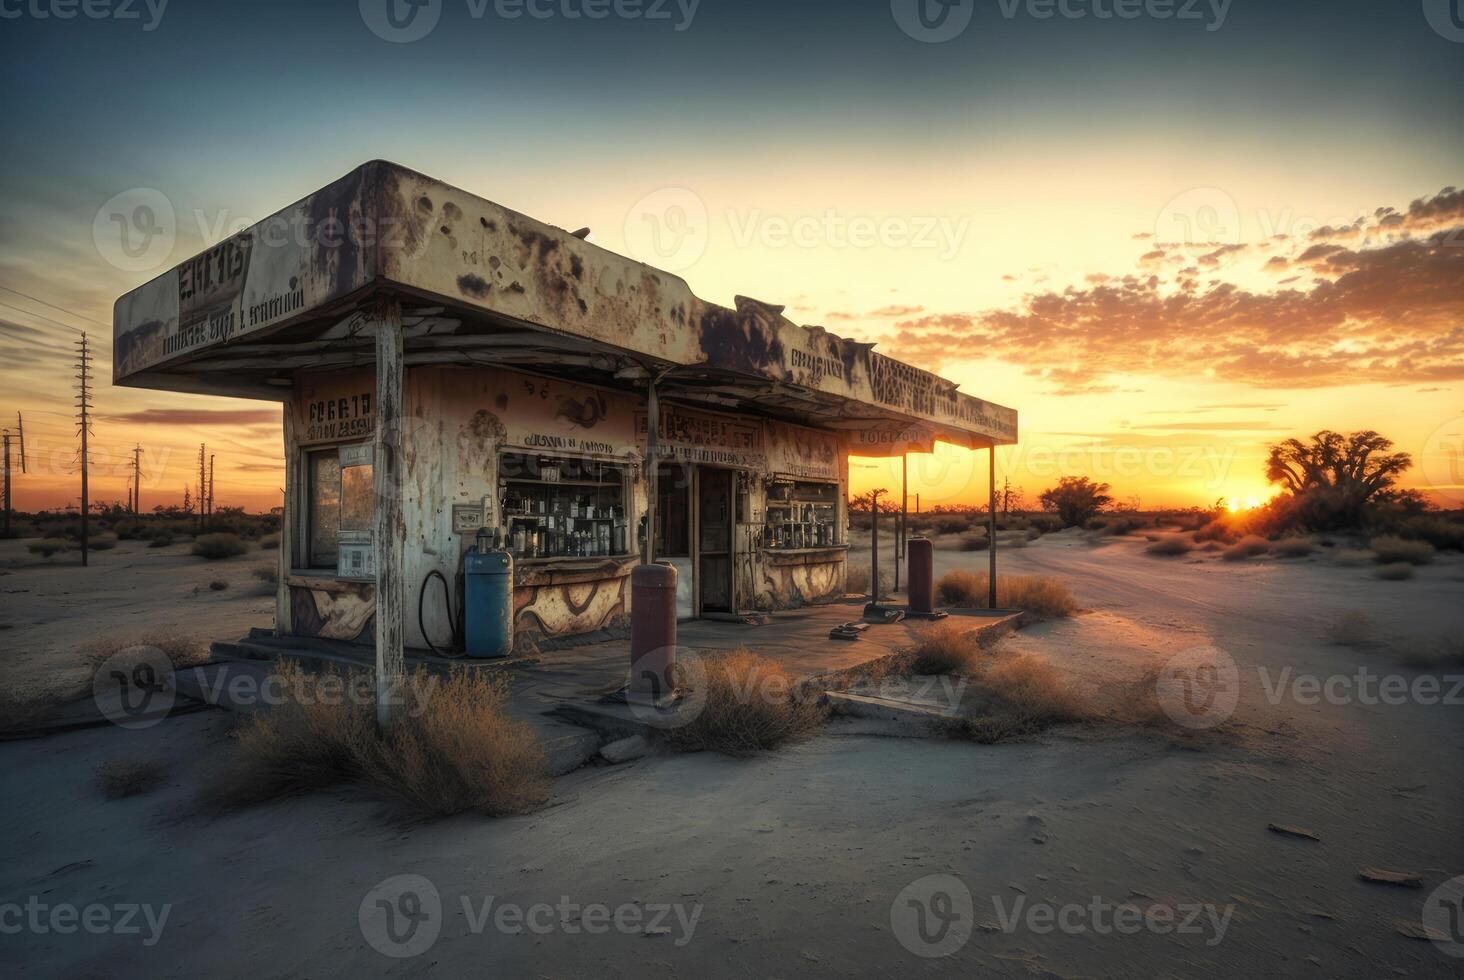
[[562, 507], [802, 515], [323, 471]]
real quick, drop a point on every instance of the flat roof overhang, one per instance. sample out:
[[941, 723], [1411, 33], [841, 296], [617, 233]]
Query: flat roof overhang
[[482, 285]]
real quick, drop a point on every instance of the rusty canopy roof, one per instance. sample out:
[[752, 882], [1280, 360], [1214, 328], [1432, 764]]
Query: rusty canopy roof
[[481, 284]]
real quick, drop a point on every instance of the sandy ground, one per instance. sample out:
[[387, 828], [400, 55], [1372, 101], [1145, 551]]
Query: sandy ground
[[791, 863], [51, 610]]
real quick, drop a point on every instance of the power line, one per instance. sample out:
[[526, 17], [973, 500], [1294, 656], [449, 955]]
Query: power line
[[37, 299], [42, 316]]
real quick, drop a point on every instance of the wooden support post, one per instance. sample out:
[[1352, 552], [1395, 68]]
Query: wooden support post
[[390, 526], [289, 533], [653, 431], [874, 548], [991, 539]]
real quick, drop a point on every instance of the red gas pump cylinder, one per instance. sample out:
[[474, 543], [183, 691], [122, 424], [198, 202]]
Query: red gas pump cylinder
[[652, 631], [921, 568]]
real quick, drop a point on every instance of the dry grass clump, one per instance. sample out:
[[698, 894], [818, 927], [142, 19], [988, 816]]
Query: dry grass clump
[[46, 547], [1396, 572], [269, 574], [105, 541], [270, 542], [1036, 594], [1018, 697], [857, 580], [1353, 557], [750, 704], [217, 546], [1294, 547], [1351, 629], [973, 541], [218, 585], [1171, 544], [453, 748], [119, 778], [182, 649], [1249, 546], [942, 647], [1390, 548]]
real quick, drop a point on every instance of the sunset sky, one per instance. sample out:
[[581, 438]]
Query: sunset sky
[[1166, 242]]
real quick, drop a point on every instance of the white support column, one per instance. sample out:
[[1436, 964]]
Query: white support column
[[390, 526]]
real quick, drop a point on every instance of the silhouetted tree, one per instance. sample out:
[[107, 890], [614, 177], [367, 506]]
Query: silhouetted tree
[[1076, 499], [1333, 477]]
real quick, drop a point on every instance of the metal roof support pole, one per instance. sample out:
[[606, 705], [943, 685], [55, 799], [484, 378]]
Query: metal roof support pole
[[390, 528], [991, 534], [653, 425]]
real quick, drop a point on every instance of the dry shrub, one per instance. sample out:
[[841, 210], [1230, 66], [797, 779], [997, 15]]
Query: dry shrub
[[974, 541], [270, 542], [46, 547], [105, 541], [22, 709], [182, 649], [1247, 547], [1036, 594], [1212, 545], [751, 704], [269, 574], [220, 545], [1018, 697], [1353, 557], [943, 647], [119, 778], [1294, 547], [857, 580], [1396, 572], [453, 749], [218, 585], [1351, 629], [1390, 548], [1171, 544]]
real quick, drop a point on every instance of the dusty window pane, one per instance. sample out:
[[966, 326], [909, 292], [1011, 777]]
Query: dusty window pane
[[356, 498], [325, 508]]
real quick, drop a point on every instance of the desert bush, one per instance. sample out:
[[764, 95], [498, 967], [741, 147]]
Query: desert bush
[[857, 580], [1353, 557], [943, 647], [1350, 629], [1396, 572], [182, 649], [119, 778], [1171, 544], [47, 547], [952, 525], [218, 585], [1212, 546], [750, 704], [1294, 547], [218, 545], [1442, 532], [453, 749], [270, 542], [1249, 546], [974, 541], [160, 540], [105, 541], [1036, 594], [269, 574], [1075, 499], [1390, 549], [1017, 697]]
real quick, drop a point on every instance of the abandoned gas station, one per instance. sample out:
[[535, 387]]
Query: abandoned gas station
[[458, 378]]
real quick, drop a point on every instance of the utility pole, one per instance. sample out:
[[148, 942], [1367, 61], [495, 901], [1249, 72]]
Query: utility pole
[[5, 439], [210, 485], [137, 480], [202, 487], [83, 423]]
